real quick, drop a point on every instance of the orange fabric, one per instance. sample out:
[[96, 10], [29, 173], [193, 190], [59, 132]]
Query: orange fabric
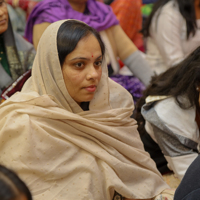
[[128, 13]]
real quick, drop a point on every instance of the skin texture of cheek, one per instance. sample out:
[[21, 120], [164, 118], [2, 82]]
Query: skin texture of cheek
[[76, 81], [73, 83], [74, 77]]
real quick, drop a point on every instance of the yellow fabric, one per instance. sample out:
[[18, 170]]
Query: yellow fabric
[[63, 152], [171, 180]]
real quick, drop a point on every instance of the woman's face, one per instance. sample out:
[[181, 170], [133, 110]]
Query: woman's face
[[3, 17], [82, 69]]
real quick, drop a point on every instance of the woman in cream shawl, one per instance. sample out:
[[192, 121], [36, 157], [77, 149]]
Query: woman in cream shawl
[[65, 153]]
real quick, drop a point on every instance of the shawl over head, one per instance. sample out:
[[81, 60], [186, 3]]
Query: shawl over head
[[100, 16], [63, 152]]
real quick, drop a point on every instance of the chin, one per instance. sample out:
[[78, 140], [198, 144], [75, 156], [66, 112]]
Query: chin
[[3, 29], [88, 98]]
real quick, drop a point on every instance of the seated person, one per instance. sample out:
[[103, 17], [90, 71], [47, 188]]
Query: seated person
[[16, 54], [170, 107], [189, 188], [12, 187], [170, 42], [69, 131], [102, 18]]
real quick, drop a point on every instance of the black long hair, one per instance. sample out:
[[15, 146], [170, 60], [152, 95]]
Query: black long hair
[[187, 10], [11, 186], [70, 33], [181, 80]]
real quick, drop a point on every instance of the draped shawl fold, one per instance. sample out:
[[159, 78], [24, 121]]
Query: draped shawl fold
[[100, 16], [63, 152]]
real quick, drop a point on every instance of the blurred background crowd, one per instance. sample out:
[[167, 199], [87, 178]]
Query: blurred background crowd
[[152, 50]]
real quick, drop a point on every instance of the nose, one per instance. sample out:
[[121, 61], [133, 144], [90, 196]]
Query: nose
[[1, 11], [92, 73]]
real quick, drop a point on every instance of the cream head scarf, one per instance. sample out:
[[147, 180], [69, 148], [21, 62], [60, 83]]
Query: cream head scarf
[[65, 153]]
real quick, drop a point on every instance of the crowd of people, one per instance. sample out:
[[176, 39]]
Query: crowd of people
[[98, 102]]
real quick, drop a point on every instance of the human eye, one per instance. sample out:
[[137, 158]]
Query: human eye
[[79, 64], [98, 63]]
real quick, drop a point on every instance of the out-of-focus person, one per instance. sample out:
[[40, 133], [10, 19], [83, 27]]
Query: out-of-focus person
[[170, 121], [16, 54], [172, 31]]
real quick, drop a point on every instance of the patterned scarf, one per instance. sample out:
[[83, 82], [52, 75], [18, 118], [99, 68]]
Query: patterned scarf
[[16, 67]]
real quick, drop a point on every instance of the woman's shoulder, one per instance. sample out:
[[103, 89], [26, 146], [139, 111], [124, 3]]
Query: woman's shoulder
[[169, 14], [171, 8], [177, 118], [168, 110], [171, 115], [32, 98], [170, 107]]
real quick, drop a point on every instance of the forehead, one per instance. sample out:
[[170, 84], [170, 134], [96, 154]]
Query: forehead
[[87, 46]]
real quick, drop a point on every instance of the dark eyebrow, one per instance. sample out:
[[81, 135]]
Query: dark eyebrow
[[82, 58], [99, 57], [79, 58]]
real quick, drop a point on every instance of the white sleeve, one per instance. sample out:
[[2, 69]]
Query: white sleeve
[[167, 35], [180, 164]]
